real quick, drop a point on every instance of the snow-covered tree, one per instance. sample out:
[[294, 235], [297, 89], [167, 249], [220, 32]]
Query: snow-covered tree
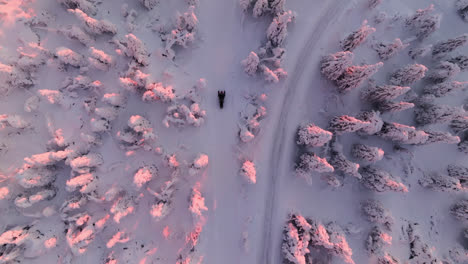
[[251, 117], [346, 124], [387, 259], [380, 181], [150, 4], [273, 76], [463, 146], [419, 52], [443, 71], [309, 163], [459, 172], [89, 7], [68, 56], [199, 163], [461, 61], [375, 212], [442, 48], [445, 88], [459, 124], [376, 240], [340, 163], [460, 210], [423, 22], [181, 114], [296, 236], [122, 207], [441, 137], [249, 172], [374, 3], [13, 77], [393, 107], [100, 60], [144, 175], [403, 134], [156, 91], [94, 26], [170, 160], [76, 33], [278, 29], [373, 122], [85, 163], [163, 203], [197, 201], [85, 182], [408, 75], [367, 153], [28, 199], [388, 50], [334, 65], [440, 182], [31, 104], [260, 8], [245, 4], [462, 8], [356, 38], [382, 93], [30, 177], [14, 121], [432, 113], [420, 252], [312, 136], [251, 63], [136, 49], [355, 75]]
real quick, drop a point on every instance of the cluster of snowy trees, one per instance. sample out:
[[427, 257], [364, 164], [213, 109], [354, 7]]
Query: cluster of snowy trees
[[267, 61], [300, 233]]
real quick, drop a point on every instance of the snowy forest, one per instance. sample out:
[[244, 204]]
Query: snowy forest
[[243, 131]]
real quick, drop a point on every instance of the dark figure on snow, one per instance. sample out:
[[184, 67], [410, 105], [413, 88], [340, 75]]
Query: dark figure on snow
[[221, 95]]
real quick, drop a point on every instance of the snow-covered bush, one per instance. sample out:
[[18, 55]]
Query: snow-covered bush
[[355, 75], [273, 76], [14, 78], [139, 133], [86, 163], [388, 50], [440, 182], [387, 259], [340, 163], [150, 4], [382, 93], [346, 124], [68, 56], [356, 38], [459, 172], [443, 71], [376, 240], [86, 6], [309, 163], [26, 200], [170, 160], [432, 114], [334, 65], [122, 207], [441, 137], [114, 99], [380, 181], [144, 174], [445, 88], [197, 201], [296, 237], [374, 3], [14, 121], [373, 122], [462, 8], [76, 33], [393, 107], [198, 164], [134, 48], [85, 183], [156, 91], [31, 104], [80, 83], [423, 22], [250, 121], [46, 158], [182, 34], [30, 177], [461, 61], [251, 63], [419, 52], [163, 201], [278, 29], [248, 172], [442, 48], [94, 26], [180, 114], [408, 75], [367, 153], [403, 134], [460, 210], [311, 135], [463, 146], [100, 60], [375, 212], [71, 205]]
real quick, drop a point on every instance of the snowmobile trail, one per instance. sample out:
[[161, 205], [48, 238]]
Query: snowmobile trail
[[279, 156]]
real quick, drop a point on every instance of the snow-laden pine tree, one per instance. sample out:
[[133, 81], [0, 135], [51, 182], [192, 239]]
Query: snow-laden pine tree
[[403, 134], [392, 107], [442, 183], [355, 75], [251, 63], [312, 136], [346, 124], [375, 212], [459, 124], [382, 93], [408, 75], [379, 180], [373, 122], [356, 38], [334, 65], [296, 237], [340, 163], [310, 162], [443, 71], [427, 114], [441, 137], [423, 22], [460, 210], [367, 153], [461, 61], [278, 29], [442, 48], [462, 8], [445, 88], [388, 50]]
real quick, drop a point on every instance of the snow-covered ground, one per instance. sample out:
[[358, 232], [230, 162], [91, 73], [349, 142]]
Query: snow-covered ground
[[138, 163]]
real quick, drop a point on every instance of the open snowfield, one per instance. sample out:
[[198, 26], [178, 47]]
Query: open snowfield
[[343, 137]]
